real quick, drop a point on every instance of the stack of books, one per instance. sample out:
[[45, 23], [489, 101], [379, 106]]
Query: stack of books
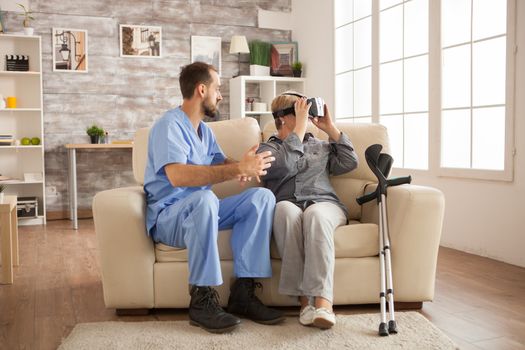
[[6, 140]]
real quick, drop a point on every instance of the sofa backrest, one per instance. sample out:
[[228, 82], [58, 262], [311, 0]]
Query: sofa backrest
[[140, 154], [236, 136]]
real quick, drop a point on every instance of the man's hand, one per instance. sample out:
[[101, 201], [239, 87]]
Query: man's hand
[[188, 175], [243, 180], [327, 125], [254, 164]]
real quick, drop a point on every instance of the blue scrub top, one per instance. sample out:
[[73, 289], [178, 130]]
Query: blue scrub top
[[172, 139]]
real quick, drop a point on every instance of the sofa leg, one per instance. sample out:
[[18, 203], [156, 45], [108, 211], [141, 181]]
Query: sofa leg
[[132, 312], [408, 305]]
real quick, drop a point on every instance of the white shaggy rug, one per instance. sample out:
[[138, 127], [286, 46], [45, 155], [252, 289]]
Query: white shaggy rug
[[350, 332]]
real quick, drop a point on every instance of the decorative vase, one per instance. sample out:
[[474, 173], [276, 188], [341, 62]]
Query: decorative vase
[[29, 30], [257, 70], [94, 139], [297, 73]]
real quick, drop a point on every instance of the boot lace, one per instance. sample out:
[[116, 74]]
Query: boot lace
[[251, 290], [211, 298]]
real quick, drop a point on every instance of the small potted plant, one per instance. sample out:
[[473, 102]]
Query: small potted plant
[[259, 57], [95, 133], [297, 69], [2, 188], [28, 17]]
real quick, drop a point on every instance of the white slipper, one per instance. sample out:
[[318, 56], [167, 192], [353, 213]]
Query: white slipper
[[306, 318], [323, 318]]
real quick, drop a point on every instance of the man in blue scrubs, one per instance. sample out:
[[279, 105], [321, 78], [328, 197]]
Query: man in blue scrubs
[[184, 160]]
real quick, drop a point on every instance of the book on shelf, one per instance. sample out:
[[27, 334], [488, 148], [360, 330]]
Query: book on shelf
[[6, 140]]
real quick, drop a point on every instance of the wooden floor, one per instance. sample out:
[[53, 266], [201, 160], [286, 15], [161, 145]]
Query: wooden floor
[[479, 303]]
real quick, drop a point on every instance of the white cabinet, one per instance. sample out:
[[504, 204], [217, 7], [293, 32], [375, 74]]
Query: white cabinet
[[263, 89], [23, 165]]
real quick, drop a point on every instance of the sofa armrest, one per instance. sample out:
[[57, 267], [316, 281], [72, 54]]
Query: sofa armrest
[[127, 254], [415, 219]]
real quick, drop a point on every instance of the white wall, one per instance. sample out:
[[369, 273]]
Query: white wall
[[312, 28], [481, 217]]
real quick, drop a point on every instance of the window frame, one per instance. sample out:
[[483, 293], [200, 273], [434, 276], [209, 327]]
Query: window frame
[[434, 96]]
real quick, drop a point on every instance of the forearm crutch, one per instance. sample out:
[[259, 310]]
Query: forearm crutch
[[380, 164]]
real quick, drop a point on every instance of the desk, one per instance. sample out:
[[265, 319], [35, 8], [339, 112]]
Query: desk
[[9, 238], [72, 164]]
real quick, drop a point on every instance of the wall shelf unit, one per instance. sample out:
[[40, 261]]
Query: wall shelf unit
[[262, 89], [24, 121]]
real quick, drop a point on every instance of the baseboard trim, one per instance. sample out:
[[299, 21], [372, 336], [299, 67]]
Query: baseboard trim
[[132, 312], [417, 305], [64, 214]]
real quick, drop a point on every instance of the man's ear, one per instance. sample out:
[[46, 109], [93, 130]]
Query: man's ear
[[201, 90]]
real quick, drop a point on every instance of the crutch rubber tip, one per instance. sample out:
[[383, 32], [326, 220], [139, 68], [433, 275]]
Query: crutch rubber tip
[[383, 331], [392, 327]]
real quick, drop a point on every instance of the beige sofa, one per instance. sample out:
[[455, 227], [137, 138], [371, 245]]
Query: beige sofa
[[138, 274]]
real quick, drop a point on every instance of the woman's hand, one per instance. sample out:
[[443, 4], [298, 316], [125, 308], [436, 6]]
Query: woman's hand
[[301, 116], [327, 125]]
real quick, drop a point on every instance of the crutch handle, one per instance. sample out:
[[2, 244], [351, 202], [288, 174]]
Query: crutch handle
[[390, 182], [399, 181], [367, 197]]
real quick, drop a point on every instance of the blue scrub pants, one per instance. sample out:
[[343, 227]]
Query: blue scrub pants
[[194, 223]]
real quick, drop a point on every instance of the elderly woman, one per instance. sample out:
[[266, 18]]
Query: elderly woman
[[308, 210]]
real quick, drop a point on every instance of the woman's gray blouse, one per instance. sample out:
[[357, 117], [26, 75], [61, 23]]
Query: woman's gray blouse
[[300, 172]]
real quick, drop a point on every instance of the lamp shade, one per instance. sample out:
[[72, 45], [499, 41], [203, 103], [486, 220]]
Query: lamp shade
[[239, 44]]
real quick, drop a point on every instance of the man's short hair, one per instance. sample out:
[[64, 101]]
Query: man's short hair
[[192, 75]]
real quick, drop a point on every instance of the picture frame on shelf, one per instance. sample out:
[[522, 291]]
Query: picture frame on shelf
[[282, 57], [207, 49], [70, 50], [140, 41]]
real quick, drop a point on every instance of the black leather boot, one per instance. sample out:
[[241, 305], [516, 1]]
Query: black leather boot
[[206, 312], [243, 302]]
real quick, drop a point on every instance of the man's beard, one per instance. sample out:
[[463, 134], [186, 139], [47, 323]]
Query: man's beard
[[210, 110]]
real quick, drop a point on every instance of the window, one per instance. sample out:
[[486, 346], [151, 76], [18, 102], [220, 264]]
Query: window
[[474, 42], [353, 60], [403, 80], [437, 73]]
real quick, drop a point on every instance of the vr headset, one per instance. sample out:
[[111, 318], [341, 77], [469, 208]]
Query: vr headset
[[316, 109]]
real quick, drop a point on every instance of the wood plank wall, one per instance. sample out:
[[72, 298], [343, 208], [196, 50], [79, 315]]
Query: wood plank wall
[[124, 94]]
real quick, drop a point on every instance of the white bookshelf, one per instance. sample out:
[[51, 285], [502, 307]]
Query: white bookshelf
[[266, 88], [24, 121]]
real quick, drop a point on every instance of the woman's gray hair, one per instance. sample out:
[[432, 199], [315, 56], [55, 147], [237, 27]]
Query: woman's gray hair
[[283, 101]]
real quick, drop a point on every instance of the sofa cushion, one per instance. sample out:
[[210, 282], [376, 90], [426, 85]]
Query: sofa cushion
[[355, 240]]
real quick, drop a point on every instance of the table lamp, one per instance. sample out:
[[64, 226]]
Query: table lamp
[[239, 45]]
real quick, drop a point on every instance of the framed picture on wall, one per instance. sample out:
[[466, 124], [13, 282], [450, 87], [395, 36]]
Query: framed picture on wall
[[140, 41], [283, 55], [70, 50], [206, 49]]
